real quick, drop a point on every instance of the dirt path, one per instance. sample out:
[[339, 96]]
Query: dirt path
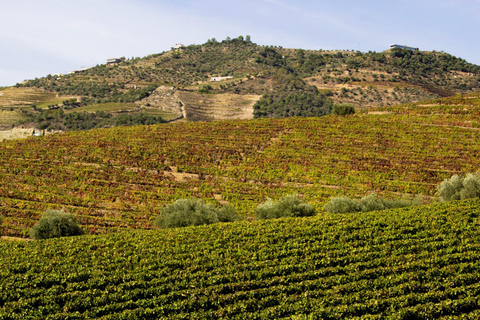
[[15, 238]]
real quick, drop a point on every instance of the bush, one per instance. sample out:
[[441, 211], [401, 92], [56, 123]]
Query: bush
[[342, 205], [367, 203], [460, 187], [343, 109], [193, 212], [228, 214], [54, 224], [1, 228], [288, 206]]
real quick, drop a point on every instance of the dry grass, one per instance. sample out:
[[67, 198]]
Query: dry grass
[[218, 106], [15, 133], [20, 97]]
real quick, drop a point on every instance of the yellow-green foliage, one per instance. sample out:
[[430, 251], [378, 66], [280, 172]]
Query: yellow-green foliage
[[411, 263]]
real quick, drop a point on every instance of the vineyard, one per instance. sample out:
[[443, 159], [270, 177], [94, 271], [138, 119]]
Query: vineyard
[[118, 178], [415, 263]]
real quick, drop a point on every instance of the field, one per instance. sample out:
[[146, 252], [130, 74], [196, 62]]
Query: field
[[416, 263], [118, 178], [18, 97]]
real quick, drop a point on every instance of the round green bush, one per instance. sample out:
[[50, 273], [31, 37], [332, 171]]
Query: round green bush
[[288, 206], [54, 224], [460, 187], [193, 212]]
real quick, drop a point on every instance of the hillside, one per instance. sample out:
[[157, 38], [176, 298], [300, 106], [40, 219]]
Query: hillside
[[292, 82], [119, 177], [417, 263]]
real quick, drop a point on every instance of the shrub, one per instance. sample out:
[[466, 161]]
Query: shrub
[[1, 228], [367, 203], [342, 205], [228, 214], [288, 206], [193, 212], [55, 223], [343, 109], [460, 187]]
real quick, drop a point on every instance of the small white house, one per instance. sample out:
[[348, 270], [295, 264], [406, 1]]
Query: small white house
[[215, 79], [178, 46]]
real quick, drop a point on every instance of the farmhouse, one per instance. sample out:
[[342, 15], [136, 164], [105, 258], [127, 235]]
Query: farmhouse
[[214, 79], [178, 46], [392, 46]]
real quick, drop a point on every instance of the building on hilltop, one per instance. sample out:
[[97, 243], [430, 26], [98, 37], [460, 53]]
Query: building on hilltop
[[178, 46], [392, 46], [114, 60]]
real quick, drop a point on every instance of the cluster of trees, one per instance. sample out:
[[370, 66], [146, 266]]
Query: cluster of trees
[[195, 212], [59, 120], [292, 98], [180, 213], [93, 91], [458, 187], [239, 40], [368, 203]]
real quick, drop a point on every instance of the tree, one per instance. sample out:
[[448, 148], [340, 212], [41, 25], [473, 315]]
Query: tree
[[460, 187], [193, 212], [54, 224], [288, 206]]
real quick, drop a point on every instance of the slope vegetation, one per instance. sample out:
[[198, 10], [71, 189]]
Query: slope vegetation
[[118, 178], [417, 263], [291, 82]]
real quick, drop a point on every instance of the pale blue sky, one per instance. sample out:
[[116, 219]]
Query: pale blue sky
[[39, 37]]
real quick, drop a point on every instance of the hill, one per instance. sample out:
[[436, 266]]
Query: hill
[[266, 81], [119, 177], [416, 263]]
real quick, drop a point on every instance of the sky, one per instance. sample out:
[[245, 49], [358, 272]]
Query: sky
[[41, 37]]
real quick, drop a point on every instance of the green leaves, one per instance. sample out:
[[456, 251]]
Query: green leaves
[[411, 262]]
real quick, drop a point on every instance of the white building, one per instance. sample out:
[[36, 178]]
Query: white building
[[402, 47], [214, 79]]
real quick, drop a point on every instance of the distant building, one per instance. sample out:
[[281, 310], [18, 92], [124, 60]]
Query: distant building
[[178, 46], [392, 46], [114, 60], [78, 71], [214, 79]]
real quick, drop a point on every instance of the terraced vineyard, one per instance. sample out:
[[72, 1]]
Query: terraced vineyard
[[415, 263], [117, 178]]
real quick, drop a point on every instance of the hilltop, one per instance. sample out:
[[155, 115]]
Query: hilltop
[[255, 81]]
